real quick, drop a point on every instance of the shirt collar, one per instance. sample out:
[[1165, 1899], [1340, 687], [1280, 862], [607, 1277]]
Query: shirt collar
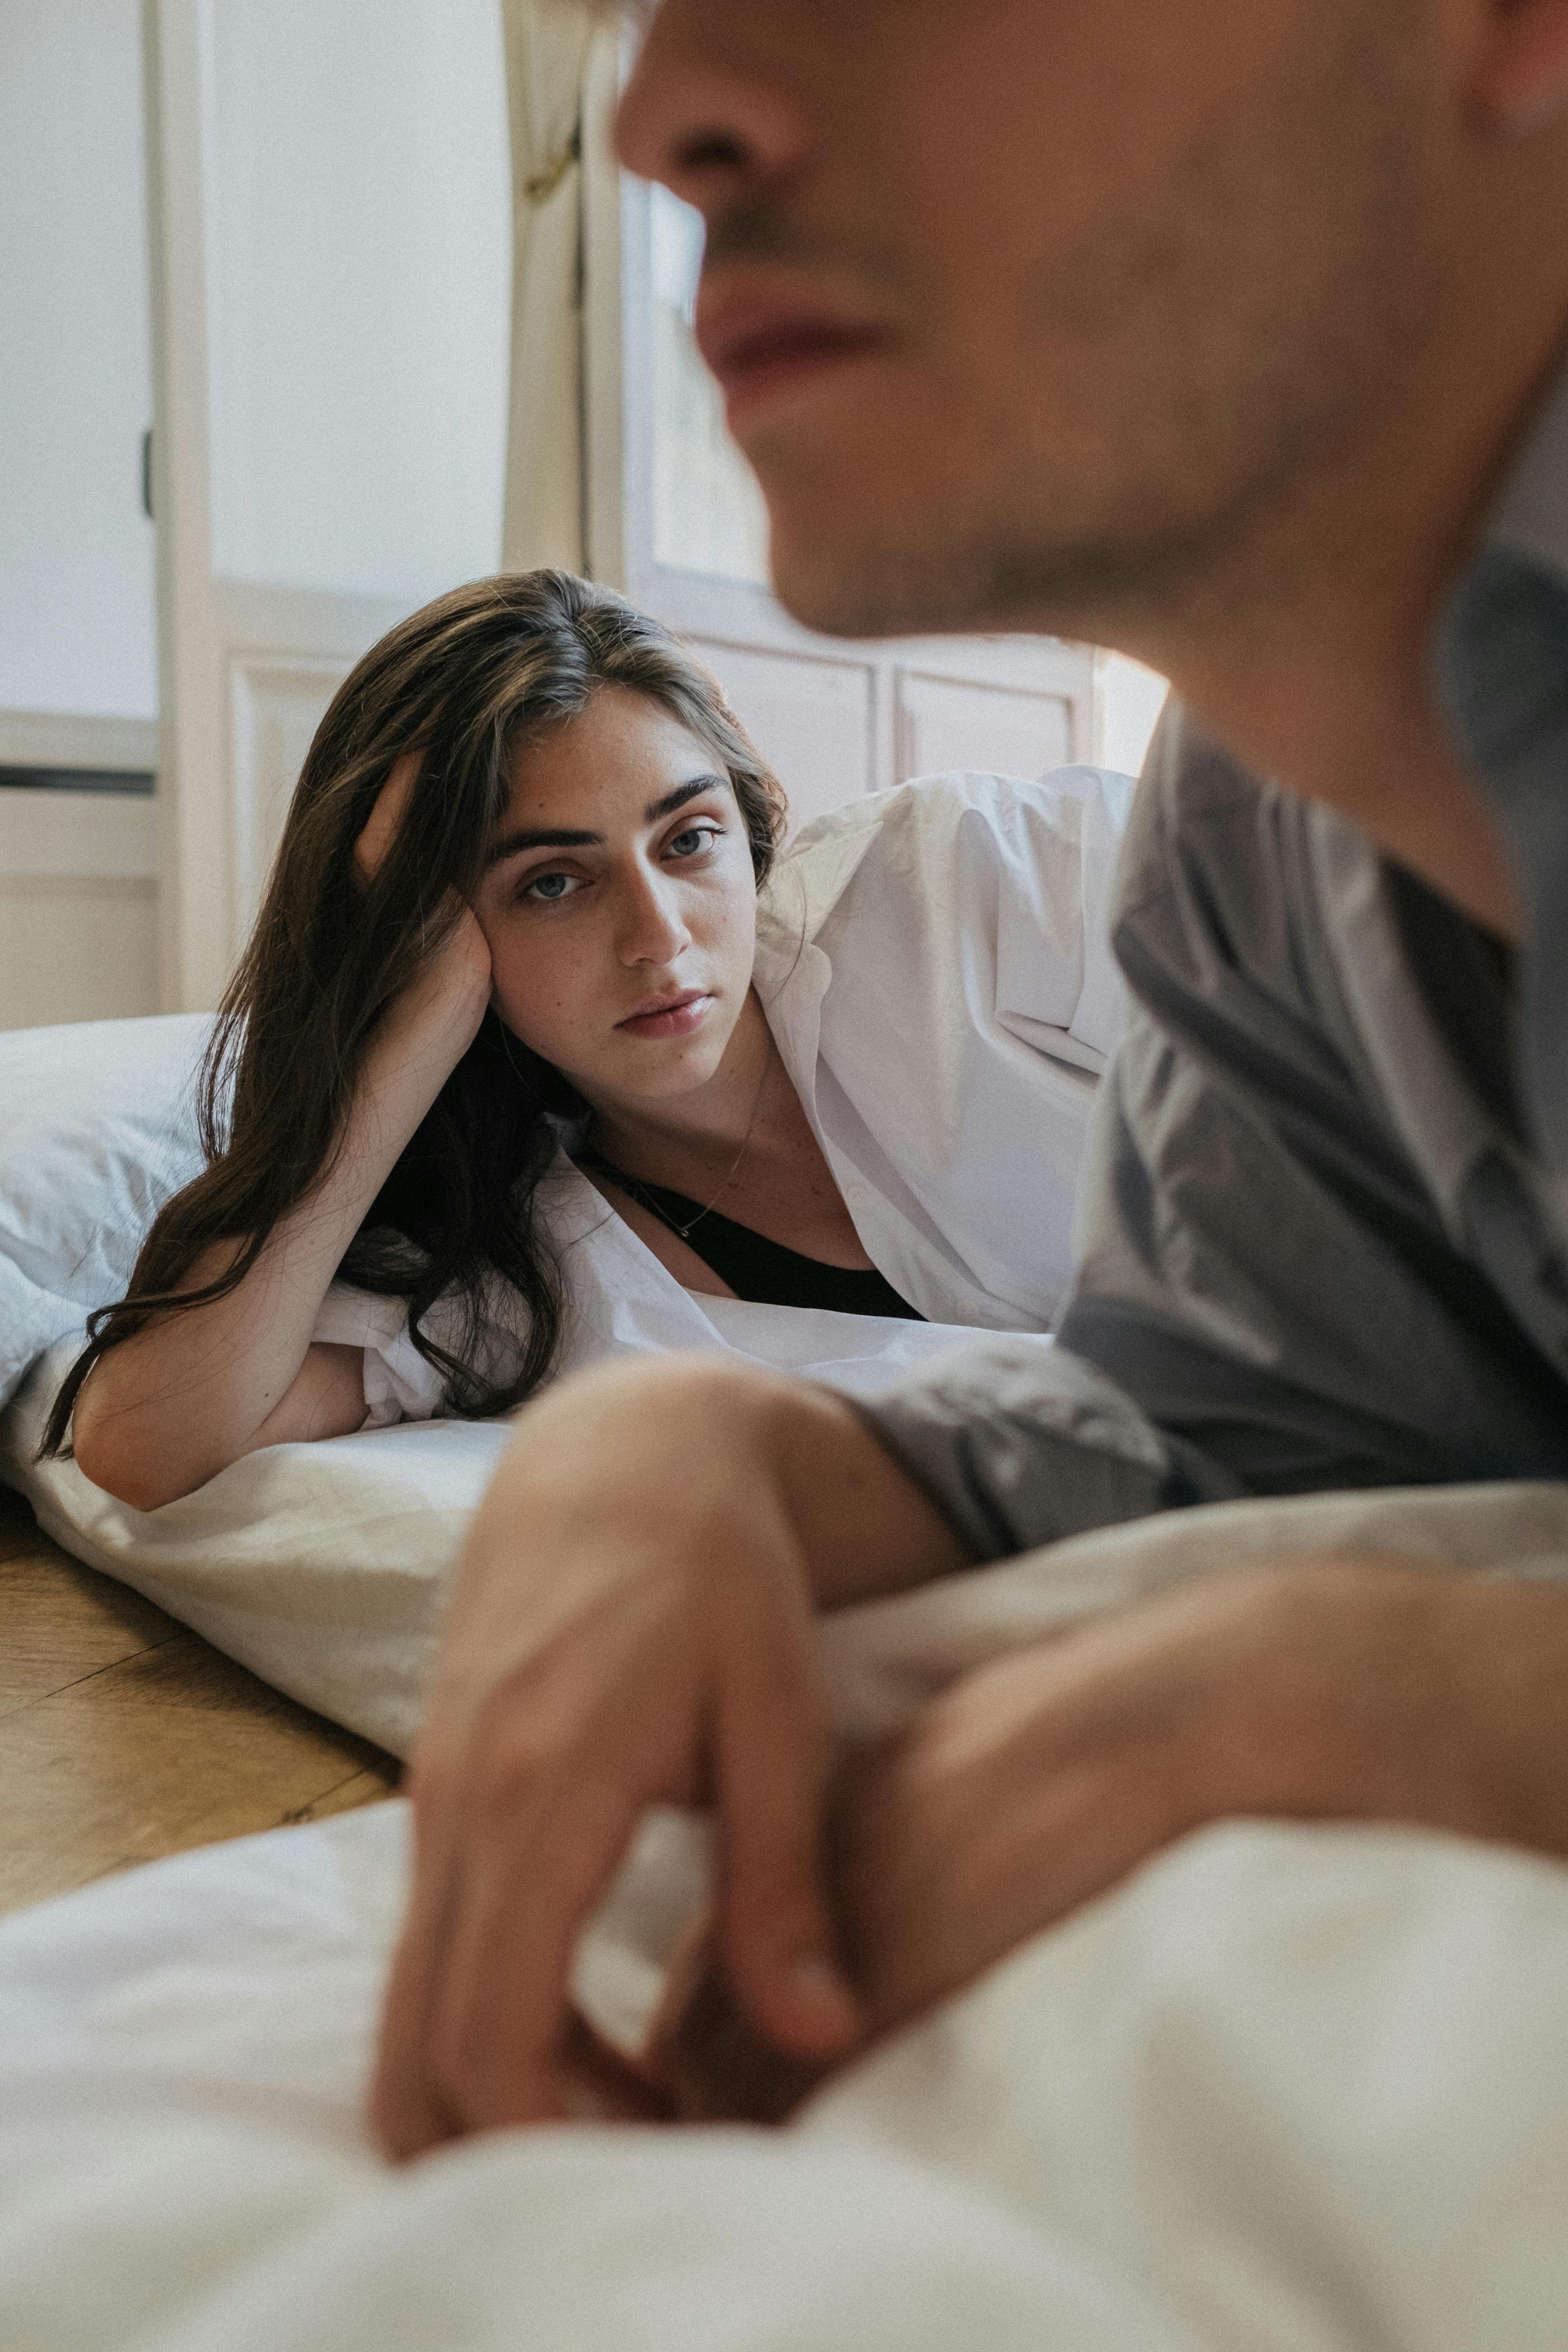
[[1530, 518], [1500, 664]]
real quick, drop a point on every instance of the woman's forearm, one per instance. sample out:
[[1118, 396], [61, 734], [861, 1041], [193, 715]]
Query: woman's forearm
[[163, 1412]]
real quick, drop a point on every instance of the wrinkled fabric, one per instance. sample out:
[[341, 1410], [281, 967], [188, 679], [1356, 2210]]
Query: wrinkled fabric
[[98, 1129], [1290, 2087], [323, 1565]]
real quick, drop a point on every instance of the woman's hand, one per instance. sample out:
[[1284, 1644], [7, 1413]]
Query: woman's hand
[[632, 1626], [191, 1393], [440, 1013]]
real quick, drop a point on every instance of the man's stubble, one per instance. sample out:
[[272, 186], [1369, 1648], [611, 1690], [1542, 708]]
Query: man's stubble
[[1194, 371]]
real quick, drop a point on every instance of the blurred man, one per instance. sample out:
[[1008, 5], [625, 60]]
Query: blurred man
[[1228, 332]]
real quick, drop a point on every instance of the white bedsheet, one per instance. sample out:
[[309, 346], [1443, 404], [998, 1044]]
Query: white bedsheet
[[1292, 2087]]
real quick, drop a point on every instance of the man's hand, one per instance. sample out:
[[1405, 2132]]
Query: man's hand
[[1333, 1690], [631, 1625]]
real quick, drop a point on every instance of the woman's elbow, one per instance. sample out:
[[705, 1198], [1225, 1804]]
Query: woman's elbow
[[113, 1454]]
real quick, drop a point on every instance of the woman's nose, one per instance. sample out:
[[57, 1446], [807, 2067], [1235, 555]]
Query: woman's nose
[[651, 929], [704, 110]]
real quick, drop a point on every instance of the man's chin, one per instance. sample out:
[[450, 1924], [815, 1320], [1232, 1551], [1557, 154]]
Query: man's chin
[[1091, 589], [849, 591], [845, 589]]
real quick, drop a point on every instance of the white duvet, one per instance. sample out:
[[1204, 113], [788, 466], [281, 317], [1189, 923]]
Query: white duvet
[[1290, 2087]]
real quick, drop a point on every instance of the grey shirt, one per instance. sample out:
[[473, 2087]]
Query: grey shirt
[[1323, 1244]]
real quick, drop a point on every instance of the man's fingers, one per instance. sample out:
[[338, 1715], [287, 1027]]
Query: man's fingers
[[780, 1946], [666, 1669], [407, 2116], [476, 1990], [497, 2030], [521, 1823]]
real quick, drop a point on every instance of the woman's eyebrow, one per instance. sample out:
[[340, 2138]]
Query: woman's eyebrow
[[511, 844], [681, 796]]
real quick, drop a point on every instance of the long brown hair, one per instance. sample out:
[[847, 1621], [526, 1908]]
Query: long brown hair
[[467, 681]]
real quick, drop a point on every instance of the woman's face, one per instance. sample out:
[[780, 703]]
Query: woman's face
[[620, 904]]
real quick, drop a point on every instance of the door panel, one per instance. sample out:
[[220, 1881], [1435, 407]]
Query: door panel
[[358, 239], [276, 704], [815, 716], [949, 722]]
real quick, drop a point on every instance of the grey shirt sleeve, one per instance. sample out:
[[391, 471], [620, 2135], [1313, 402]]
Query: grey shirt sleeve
[[1268, 1298], [1014, 1451]]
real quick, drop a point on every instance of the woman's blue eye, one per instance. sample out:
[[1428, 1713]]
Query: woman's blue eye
[[694, 840], [549, 888]]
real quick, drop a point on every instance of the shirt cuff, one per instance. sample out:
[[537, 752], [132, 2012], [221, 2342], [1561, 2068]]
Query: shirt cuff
[[1018, 1446]]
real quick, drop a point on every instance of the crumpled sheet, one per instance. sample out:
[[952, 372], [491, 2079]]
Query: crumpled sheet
[[1292, 2088], [322, 1567], [1302, 2087]]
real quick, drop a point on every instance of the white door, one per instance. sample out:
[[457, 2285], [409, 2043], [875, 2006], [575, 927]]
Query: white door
[[676, 519], [330, 235]]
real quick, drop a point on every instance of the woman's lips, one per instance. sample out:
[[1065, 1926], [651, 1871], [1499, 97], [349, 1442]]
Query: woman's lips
[[756, 350], [678, 1016]]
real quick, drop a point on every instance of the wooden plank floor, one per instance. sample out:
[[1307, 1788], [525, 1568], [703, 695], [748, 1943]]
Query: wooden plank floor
[[123, 1735]]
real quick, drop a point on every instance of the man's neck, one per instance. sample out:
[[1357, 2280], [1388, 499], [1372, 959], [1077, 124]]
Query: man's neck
[[1315, 669], [1369, 745]]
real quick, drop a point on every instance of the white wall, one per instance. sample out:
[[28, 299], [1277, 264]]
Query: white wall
[[79, 908], [77, 662], [76, 630]]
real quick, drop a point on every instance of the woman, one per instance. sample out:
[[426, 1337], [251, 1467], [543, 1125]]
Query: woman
[[512, 975]]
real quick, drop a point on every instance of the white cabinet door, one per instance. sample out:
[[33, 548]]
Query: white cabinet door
[[675, 518], [331, 243]]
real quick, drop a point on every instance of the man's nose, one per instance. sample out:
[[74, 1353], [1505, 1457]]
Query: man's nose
[[703, 111]]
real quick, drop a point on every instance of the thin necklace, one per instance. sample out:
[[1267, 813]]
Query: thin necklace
[[640, 1192]]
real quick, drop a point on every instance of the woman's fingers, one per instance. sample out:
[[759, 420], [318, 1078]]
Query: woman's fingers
[[386, 816], [451, 994]]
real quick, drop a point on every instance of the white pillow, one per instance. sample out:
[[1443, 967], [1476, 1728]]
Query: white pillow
[[97, 1131]]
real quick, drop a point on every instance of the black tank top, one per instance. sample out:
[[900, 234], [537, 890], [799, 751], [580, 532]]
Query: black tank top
[[755, 1268]]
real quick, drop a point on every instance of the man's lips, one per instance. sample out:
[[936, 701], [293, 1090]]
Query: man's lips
[[756, 347], [668, 1017]]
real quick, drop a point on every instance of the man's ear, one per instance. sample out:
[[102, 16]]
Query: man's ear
[[1520, 80]]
